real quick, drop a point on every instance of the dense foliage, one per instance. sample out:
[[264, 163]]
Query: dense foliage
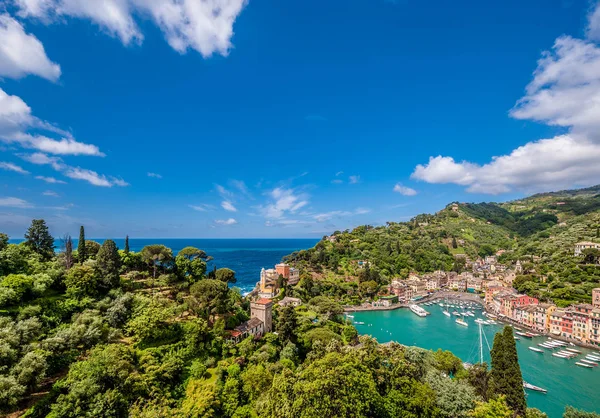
[[120, 333]]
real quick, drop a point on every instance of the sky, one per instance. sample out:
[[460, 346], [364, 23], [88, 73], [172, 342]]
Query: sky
[[247, 119]]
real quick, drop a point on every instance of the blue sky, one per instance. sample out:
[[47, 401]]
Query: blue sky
[[288, 119]]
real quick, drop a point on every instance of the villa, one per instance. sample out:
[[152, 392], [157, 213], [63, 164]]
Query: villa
[[260, 322], [580, 246]]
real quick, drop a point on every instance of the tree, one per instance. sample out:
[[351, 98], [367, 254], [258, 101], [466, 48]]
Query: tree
[[571, 412], [479, 378], [454, 243], [126, 244], [156, 255], [494, 408], [67, 243], [91, 249], [191, 264], [3, 241], [81, 249], [591, 255], [39, 239], [506, 378], [210, 296], [287, 323], [225, 275], [81, 280], [108, 263]]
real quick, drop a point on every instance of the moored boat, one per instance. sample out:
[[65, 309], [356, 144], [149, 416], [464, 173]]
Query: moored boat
[[592, 363], [462, 322], [537, 350], [533, 387], [584, 365], [417, 310]]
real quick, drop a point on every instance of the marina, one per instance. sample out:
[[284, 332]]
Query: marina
[[552, 381]]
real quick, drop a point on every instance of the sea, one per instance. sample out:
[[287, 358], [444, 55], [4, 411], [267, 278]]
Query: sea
[[244, 256], [566, 383]]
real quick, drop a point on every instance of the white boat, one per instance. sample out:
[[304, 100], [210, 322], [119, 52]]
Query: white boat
[[533, 387], [594, 358], [573, 350], [455, 313], [462, 322], [359, 323], [350, 316], [559, 355], [584, 365], [592, 363], [417, 310], [480, 321], [516, 338], [537, 350], [447, 313]]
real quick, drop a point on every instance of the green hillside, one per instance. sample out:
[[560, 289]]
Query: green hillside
[[540, 230]]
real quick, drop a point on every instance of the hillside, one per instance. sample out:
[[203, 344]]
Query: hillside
[[540, 230]]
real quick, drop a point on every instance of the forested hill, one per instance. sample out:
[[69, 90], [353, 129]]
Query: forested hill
[[544, 225]]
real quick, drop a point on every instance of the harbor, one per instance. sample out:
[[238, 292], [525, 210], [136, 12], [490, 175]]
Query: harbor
[[555, 374]]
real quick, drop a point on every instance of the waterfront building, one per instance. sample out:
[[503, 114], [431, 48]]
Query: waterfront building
[[581, 321], [386, 301], [432, 283], [542, 316], [417, 285], [596, 297], [474, 284], [562, 323], [400, 289], [580, 246], [260, 322], [509, 303], [595, 327]]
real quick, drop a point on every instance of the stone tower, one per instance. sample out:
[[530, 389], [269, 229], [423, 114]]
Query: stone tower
[[263, 310], [596, 297]]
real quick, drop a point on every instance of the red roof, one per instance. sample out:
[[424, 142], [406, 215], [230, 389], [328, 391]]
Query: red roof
[[264, 301]]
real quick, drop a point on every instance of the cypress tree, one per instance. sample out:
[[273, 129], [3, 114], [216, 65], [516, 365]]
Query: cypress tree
[[126, 244], [108, 263], [68, 252], [506, 378], [454, 243], [81, 251]]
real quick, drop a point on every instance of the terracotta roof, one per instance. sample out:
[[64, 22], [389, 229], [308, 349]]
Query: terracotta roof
[[248, 325], [264, 301]]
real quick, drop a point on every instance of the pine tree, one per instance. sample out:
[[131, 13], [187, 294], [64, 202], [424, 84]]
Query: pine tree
[[108, 263], [81, 251], [39, 239], [126, 244], [506, 378]]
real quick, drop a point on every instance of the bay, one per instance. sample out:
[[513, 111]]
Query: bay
[[567, 384], [245, 256]]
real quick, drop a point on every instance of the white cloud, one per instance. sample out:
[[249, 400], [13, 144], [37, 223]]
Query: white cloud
[[283, 201], [22, 54], [202, 207], [404, 190], [241, 186], [50, 193], [205, 26], [226, 222], [14, 202], [354, 179], [93, 178], [225, 194], [564, 92], [337, 181], [16, 119], [228, 206], [50, 180], [43, 159], [13, 167], [593, 29], [155, 175]]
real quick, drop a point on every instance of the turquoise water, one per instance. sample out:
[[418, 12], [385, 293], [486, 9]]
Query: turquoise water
[[567, 384]]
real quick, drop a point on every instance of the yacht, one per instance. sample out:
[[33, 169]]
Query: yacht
[[417, 310], [533, 387], [447, 313], [462, 322], [537, 350]]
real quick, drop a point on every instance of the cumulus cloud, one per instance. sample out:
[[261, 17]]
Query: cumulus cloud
[[16, 119], [50, 180], [283, 201], [226, 222], [13, 167], [327, 216], [50, 193], [14, 202], [155, 175], [593, 29], [22, 53], [564, 92], [404, 190], [228, 206], [205, 26], [354, 179]]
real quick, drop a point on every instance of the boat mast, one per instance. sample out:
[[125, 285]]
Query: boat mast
[[480, 345]]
